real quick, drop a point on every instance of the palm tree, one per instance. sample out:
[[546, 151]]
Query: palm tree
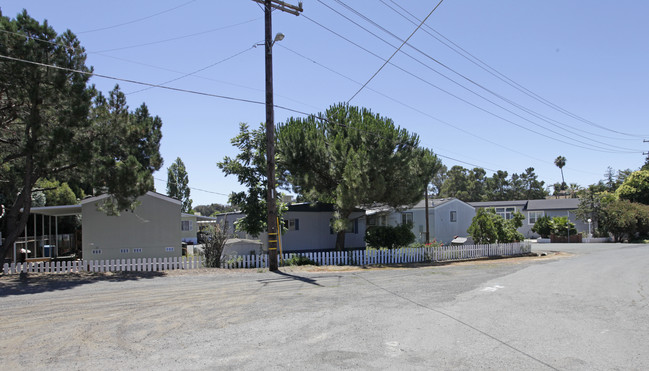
[[561, 162]]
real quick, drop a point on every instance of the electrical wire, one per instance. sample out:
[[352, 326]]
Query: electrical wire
[[483, 65], [139, 19], [196, 71], [594, 148], [559, 125], [177, 38], [197, 189], [607, 146], [396, 51]]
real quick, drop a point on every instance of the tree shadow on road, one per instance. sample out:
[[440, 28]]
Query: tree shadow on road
[[34, 283]]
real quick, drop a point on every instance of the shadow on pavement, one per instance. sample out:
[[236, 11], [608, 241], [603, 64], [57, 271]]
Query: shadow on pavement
[[289, 277], [33, 283]]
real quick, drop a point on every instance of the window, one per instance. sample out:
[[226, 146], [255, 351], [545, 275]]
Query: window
[[292, 224], [506, 212], [96, 252], [169, 249], [186, 225], [406, 218], [453, 216], [533, 216], [352, 226], [137, 250], [380, 220], [123, 251]]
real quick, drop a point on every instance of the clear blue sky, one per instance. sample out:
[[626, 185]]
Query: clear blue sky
[[587, 58]]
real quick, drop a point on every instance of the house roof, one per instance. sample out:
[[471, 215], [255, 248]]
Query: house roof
[[315, 207], [553, 204], [533, 205], [63, 210], [498, 203], [67, 210], [149, 193], [434, 202]]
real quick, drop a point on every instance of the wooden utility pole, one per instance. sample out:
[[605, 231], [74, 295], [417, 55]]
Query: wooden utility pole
[[270, 123], [426, 211]]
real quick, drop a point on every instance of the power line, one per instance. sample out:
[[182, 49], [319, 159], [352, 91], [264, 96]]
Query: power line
[[197, 71], [483, 65], [197, 189], [561, 126], [396, 51], [139, 19], [211, 95], [600, 149], [177, 38]]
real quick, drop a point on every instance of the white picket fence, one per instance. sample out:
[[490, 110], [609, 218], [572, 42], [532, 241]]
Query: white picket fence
[[356, 257], [116, 265], [393, 256]]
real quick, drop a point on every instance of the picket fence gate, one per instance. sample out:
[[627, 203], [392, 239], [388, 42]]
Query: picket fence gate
[[357, 257]]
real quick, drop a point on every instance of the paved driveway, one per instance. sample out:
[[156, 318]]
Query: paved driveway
[[585, 310]]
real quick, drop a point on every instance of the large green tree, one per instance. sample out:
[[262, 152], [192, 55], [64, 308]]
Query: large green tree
[[351, 156], [249, 166], [635, 187], [178, 184], [48, 129]]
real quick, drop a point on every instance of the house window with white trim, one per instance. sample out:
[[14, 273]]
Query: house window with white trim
[[533, 216], [406, 218], [453, 216], [506, 212], [186, 225]]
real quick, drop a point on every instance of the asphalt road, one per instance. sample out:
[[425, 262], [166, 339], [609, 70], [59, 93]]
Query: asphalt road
[[587, 310]]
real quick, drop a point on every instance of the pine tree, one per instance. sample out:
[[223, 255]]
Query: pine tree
[[178, 184]]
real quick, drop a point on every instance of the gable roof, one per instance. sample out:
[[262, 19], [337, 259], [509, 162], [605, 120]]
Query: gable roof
[[533, 205], [553, 204], [435, 202], [521, 203], [149, 193], [315, 207]]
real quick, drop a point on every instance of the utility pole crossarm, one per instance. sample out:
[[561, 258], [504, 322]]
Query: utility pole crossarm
[[285, 7]]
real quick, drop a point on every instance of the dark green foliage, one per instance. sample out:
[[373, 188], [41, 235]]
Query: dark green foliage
[[250, 168], [389, 237], [353, 157], [56, 193], [178, 184], [212, 209], [543, 226], [562, 227], [624, 219], [299, 260], [473, 185], [635, 187], [488, 227], [49, 131]]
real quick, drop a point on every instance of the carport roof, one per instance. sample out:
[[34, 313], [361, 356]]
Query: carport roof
[[64, 210]]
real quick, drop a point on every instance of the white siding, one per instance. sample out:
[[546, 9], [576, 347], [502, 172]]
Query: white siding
[[151, 230]]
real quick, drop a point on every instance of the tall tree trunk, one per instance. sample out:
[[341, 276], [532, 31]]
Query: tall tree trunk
[[16, 221], [340, 241]]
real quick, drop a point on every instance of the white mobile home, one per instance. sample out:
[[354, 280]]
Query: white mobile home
[[309, 228], [447, 218], [152, 230]]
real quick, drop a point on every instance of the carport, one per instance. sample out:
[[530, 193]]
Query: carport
[[35, 246]]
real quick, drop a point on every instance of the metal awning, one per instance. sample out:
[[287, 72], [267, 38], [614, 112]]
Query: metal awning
[[64, 210]]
